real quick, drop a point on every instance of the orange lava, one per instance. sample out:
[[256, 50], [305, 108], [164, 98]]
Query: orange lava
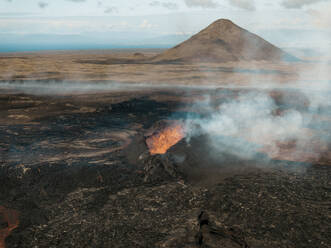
[[162, 141], [11, 217]]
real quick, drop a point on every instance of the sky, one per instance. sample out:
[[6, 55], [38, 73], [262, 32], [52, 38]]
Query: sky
[[80, 24]]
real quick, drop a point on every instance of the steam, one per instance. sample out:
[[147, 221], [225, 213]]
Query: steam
[[289, 122], [253, 123], [63, 87], [66, 87], [283, 123]]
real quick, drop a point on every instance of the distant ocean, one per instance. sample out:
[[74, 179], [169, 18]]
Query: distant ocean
[[4, 48]]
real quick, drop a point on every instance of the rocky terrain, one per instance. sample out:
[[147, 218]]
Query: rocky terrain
[[117, 148], [77, 171], [104, 66]]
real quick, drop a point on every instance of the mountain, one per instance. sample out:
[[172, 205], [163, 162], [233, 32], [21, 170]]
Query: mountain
[[223, 41]]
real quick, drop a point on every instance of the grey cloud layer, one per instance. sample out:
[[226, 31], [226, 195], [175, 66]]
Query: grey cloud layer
[[297, 4], [168, 5], [243, 4], [201, 3], [111, 10], [42, 5]]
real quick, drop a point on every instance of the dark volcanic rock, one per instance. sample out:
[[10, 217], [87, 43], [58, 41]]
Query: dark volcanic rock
[[212, 235], [77, 182], [3, 222], [159, 167]]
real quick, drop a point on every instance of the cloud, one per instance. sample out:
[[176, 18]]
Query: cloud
[[42, 5], [297, 4], [168, 5], [201, 3], [243, 4], [77, 1], [322, 18], [110, 10], [146, 24]]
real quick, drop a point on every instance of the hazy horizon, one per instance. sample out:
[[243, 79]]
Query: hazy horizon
[[87, 24]]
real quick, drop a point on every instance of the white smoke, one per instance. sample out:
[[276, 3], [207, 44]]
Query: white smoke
[[67, 87], [253, 122]]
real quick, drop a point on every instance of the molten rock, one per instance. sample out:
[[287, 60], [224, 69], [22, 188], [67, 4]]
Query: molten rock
[[160, 142], [158, 163]]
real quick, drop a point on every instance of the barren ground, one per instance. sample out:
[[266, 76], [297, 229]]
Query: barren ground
[[123, 66], [71, 174]]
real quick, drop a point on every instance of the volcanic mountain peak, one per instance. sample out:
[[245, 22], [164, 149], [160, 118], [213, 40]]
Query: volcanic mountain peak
[[222, 29], [223, 22], [223, 41], [220, 26]]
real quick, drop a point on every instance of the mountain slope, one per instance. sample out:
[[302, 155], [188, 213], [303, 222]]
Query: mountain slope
[[223, 41]]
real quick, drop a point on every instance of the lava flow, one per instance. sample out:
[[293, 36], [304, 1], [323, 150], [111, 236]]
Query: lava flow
[[163, 140], [9, 221]]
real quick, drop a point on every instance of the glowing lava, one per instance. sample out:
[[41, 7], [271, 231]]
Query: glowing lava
[[162, 141], [10, 217]]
